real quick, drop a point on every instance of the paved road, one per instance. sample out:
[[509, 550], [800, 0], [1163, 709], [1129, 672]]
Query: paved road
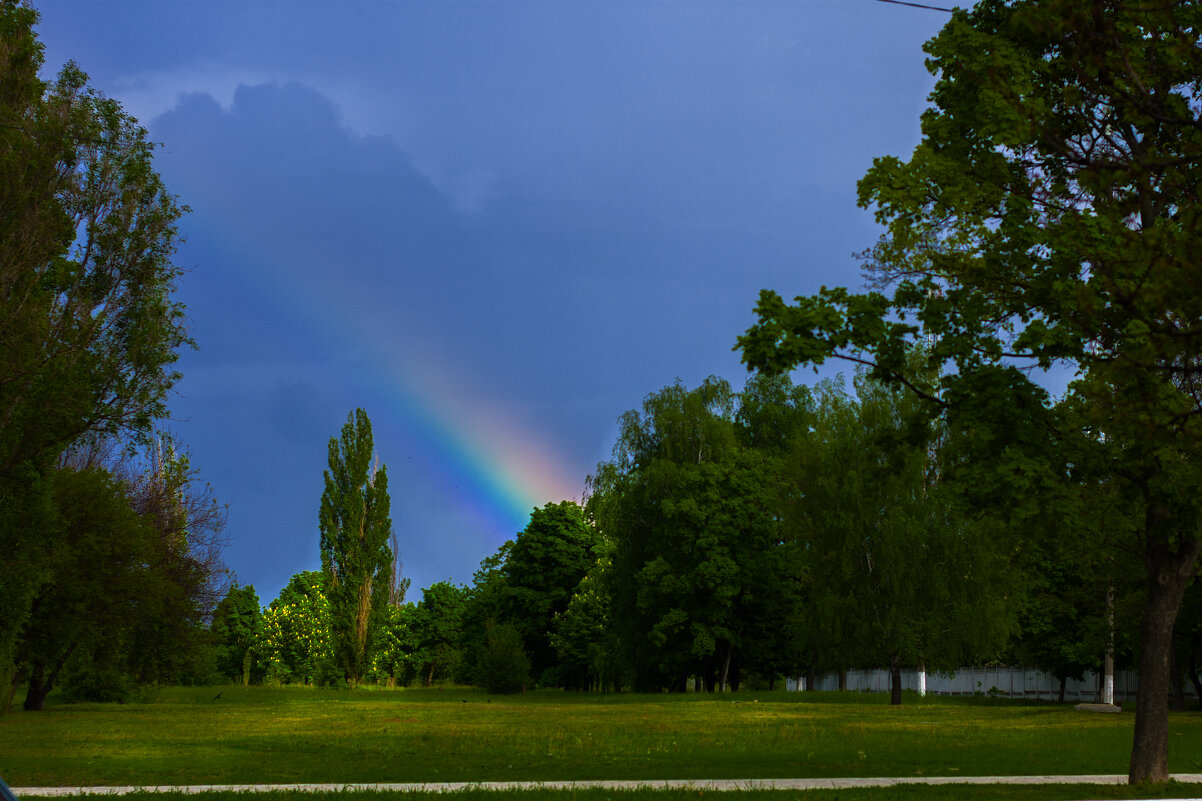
[[687, 784]]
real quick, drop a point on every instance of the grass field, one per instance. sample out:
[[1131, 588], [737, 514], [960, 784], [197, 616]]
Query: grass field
[[263, 735], [899, 793]]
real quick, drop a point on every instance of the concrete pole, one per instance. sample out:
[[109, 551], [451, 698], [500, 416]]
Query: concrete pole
[[1108, 662]]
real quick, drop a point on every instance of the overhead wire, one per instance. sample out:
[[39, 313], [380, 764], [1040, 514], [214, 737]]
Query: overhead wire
[[916, 5]]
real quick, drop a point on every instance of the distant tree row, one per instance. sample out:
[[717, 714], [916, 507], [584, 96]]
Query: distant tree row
[[737, 538]]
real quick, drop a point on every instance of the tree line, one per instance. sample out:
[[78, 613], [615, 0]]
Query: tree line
[[736, 538]]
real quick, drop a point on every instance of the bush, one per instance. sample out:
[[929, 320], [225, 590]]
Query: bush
[[502, 665], [103, 685]]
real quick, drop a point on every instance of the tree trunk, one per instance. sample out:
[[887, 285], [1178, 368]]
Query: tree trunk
[[811, 678], [13, 677], [358, 660], [40, 684], [1063, 685], [1169, 572], [725, 667], [1178, 682], [38, 689], [895, 681], [842, 679], [1194, 676]]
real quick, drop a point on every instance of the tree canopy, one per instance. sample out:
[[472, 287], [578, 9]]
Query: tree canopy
[[355, 555], [89, 327], [1049, 216]]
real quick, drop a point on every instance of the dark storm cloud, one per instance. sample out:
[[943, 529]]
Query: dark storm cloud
[[564, 206]]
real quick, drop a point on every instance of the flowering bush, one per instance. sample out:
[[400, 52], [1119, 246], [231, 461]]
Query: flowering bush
[[294, 641]]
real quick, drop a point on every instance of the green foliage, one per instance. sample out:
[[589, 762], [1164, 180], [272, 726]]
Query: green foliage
[[131, 578], [438, 631], [700, 563], [1049, 217], [236, 626], [96, 684], [534, 578], [99, 588], [502, 665], [355, 555], [396, 655], [90, 329], [485, 599], [897, 574], [294, 636], [582, 634]]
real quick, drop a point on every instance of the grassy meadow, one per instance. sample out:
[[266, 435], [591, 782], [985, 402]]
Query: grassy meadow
[[1045, 792], [296, 735]]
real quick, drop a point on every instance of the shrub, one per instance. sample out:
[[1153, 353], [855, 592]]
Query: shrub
[[502, 665]]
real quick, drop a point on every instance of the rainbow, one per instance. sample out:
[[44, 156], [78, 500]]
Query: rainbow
[[472, 451]]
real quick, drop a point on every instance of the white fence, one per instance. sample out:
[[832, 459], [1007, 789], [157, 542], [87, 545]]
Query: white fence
[[1013, 682]]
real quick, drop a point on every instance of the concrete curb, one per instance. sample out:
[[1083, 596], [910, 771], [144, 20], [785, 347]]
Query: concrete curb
[[613, 784]]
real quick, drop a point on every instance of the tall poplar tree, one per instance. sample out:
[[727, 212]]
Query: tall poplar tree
[[355, 556]]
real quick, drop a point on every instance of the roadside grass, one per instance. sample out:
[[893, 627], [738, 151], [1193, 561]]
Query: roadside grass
[[911, 792], [297, 735]]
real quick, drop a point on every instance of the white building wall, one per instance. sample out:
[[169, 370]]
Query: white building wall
[[1011, 682]]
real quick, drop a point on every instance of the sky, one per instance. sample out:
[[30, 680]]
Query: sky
[[493, 225]]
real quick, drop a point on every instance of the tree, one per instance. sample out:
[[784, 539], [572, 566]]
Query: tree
[[697, 545], [294, 637], [170, 641], [438, 625], [897, 575], [88, 328], [396, 656], [236, 626], [134, 573], [1050, 216], [543, 567], [355, 555], [582, 635], [484, 600], [99, 586], [502, 666]]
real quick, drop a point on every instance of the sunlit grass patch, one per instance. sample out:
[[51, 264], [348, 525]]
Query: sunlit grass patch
[[287, 735]]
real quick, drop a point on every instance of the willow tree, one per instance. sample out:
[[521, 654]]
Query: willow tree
[[355, 554], [1050, 216]]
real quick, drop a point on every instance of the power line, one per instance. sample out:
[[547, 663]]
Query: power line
[[916, 5]]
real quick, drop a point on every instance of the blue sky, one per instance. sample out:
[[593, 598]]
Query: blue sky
[[494, 225]]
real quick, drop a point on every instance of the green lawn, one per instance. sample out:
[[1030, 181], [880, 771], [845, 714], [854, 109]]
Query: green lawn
[[263, 735], [1068, 792]]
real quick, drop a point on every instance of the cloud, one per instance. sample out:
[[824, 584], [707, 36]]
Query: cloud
[[355, 108], [147, 95]]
